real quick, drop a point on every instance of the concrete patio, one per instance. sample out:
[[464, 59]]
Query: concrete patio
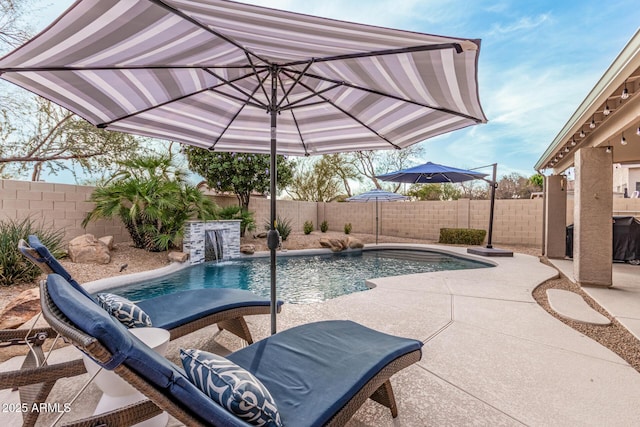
[[492, 355]]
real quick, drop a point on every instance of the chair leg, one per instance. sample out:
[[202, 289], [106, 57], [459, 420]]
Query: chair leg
[[384, 396], [237, 326], [34, 393]]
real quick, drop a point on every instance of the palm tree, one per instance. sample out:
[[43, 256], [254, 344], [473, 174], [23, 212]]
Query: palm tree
[[153, 200]]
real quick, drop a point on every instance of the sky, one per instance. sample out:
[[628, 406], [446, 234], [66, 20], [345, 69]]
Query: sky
[[538, 61]]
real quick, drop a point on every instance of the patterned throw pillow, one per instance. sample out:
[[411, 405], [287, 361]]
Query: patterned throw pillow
[[232, 387], [124, 310]]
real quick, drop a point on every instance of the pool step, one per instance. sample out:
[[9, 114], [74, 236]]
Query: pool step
[[413, 255]]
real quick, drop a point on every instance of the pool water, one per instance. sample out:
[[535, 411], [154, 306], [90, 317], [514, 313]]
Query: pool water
[[301, 279]]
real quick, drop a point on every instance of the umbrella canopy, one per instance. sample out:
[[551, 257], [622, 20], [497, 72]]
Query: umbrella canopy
[[233, 77], [379, 196], [432, 173]]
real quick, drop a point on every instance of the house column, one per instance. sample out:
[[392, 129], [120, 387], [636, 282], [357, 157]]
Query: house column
[[555, 216], [593, 230]]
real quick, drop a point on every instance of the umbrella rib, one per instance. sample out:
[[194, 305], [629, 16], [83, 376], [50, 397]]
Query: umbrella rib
[[162, 104], [295, 82], [348, 114], [144, 110], [421, 48], [377, 92], [119, 68], [293, 116], [206, 28], [255, 72], [239, 89], [212, 147], [294, 104]]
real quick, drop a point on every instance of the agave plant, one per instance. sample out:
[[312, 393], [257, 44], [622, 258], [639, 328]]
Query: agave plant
[[14, 267], [153, 200]]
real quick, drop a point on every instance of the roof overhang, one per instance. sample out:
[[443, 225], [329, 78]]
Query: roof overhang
[[591, 126]]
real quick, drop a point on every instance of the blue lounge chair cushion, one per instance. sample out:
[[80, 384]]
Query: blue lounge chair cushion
[[127, 313], [171, 311], [132, 352], [53, 264], [313, 370], [232, 387]]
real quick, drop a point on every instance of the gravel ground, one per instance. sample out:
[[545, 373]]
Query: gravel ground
[[614, 336]]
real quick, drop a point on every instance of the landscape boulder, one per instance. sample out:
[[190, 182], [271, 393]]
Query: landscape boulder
[[338, 245], [86, 249], [248, 249], [21, 309], [353, 243], [107, 240], [175, 256]]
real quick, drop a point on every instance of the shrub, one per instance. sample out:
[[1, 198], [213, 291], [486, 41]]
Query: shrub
[[14, 267], [283, 225], [462, 236], [308, 227], [347, 228], [153, 200], [236, 212], [324, 226]]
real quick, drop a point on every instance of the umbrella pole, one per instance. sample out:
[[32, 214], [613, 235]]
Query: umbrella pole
[[273, 238], [376, 220], [493, 201]]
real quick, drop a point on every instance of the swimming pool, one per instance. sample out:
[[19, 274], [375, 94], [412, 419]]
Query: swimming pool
[[301, 279]]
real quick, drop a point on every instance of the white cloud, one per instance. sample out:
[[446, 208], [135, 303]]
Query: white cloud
[[523, 24]]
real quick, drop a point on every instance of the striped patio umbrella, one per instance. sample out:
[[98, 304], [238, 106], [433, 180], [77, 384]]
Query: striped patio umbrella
[[377, 195], [227, 76]]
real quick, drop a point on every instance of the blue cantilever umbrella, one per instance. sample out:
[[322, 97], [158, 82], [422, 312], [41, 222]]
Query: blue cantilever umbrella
[[433, 173], [379, 196]]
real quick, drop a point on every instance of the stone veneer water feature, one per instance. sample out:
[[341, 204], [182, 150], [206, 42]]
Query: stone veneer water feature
[[211, 240]]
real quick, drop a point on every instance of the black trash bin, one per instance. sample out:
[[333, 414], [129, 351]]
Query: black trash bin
[[626, 239]]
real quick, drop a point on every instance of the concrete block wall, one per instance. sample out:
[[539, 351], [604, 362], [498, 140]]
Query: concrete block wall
[[515, 221], [58, 206], [621, 207]]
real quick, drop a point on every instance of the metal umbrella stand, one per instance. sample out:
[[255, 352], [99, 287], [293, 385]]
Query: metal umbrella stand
[[379, 196], [227, 76]]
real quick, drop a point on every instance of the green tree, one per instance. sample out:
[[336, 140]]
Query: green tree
[[56, 139], [317, 181], [446, 191], [373, 163], [475, 190], [515, 186], [153, 201], [239, 173], [340, 165], [537, 181]]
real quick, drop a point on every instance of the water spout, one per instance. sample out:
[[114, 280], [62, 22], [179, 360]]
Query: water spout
[[213, 247]]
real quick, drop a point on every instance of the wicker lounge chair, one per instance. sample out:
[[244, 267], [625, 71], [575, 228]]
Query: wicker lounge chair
[[319, 373], [181, 313]]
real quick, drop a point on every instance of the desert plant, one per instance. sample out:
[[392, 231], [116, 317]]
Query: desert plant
[[462, 236], [14, 267], [324, 226], [308, 227], [236, 212], [347, 228], [153, 200], [283, 225]]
